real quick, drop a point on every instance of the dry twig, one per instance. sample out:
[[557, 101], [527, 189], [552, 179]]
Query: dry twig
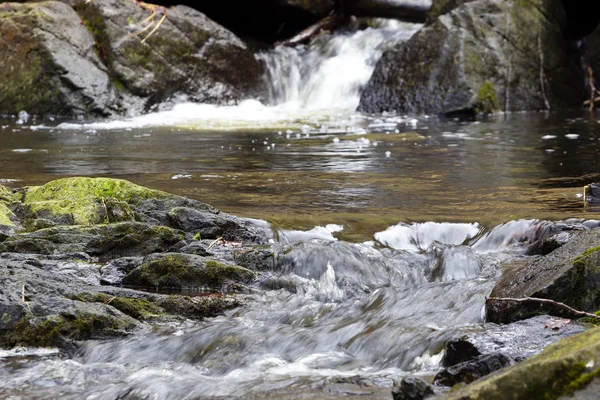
[[568, 311]]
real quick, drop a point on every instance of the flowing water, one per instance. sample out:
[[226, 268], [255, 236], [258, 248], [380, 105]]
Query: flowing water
[[392, 229]]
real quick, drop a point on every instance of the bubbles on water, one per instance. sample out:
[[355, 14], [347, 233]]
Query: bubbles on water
[[572, 136], [388, 154], [181, 176], [548, 137], [336, 140]]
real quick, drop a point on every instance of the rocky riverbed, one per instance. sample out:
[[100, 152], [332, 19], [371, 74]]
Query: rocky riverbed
[[96, 259]]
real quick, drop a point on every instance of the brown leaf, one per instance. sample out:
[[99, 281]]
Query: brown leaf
[[556, 323]]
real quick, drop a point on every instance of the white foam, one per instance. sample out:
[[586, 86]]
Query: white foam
[[418, 237]]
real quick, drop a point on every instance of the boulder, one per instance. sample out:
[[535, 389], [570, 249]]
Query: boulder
[[484, 56], [186, 271], [566, 368], [569, 274], [87, 59]]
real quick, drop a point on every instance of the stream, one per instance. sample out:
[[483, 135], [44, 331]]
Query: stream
[[393, 229]]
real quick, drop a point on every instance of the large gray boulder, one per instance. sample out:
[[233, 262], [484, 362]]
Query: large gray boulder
[[569, 274], [88, 59], [484, 56]]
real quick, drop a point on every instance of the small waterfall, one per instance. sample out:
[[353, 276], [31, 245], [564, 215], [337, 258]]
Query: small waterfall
[[332, 70]]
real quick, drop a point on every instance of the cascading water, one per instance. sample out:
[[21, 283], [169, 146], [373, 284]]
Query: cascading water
[[306, 83], [331, 72]]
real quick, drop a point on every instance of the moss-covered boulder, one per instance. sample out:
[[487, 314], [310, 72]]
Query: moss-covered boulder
[[190, 55], [484, 56], [86, 201], [569, 274], [48, 62], [180, 271], [565, 368], [75, 58]]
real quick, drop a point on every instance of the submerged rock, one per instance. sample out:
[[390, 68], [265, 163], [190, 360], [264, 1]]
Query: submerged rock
[[482, 57], [569, 274], [568, 367], [86, 59]]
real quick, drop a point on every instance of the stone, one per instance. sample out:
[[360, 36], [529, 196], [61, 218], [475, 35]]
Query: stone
[[86, 59], [569, 274], [411, 389], [485, 56], [567, 368]]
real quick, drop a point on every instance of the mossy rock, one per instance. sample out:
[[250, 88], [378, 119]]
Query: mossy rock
[[569, 274], [58, 330], [179, 271], [106, 241], [480, 57], [561, 370], [200, 307], [6, 216], [86, 201], [140, 309]]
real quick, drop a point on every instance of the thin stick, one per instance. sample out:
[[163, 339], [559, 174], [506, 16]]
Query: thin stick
[[213, 243], [575, 314], [23, 299]]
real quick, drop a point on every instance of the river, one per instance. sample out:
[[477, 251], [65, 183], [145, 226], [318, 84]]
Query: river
[[393, 229]]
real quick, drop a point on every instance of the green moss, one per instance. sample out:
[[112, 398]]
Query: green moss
[[198, 236], [487, 99], [83, 201], [142, 310], [6, 216], [29, 77], [177, 271], [52, 331]]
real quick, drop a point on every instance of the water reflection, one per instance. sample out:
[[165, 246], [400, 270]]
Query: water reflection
[[365, 173]]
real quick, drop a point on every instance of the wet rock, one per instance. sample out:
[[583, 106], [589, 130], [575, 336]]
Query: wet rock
[[469, 371], [113, 272], [178, 271], [256, 259], [196, 248], [592, 192], [569, 274], [88, 60], [106, 241], [517, 341], [402, 9], [411, 389], [210, 225], [566, 368], [484, 56], [441, 7]]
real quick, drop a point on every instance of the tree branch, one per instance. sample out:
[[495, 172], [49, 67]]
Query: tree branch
[[566, 310]]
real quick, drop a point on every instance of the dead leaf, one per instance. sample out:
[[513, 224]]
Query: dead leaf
[[556, 323]]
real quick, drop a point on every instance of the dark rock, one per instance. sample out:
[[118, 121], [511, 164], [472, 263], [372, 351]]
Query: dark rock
[[256, 259], [469, 371], [113, 272], [178, 271], [518, 340], [411, 389], [593, 193], [210, 225], [569, 274], [566, 368], [196, 248], [416, 10], [107, 241], [484, 56], [441, 7]]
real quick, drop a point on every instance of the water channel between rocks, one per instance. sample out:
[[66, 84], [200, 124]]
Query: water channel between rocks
[[396, 229]]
